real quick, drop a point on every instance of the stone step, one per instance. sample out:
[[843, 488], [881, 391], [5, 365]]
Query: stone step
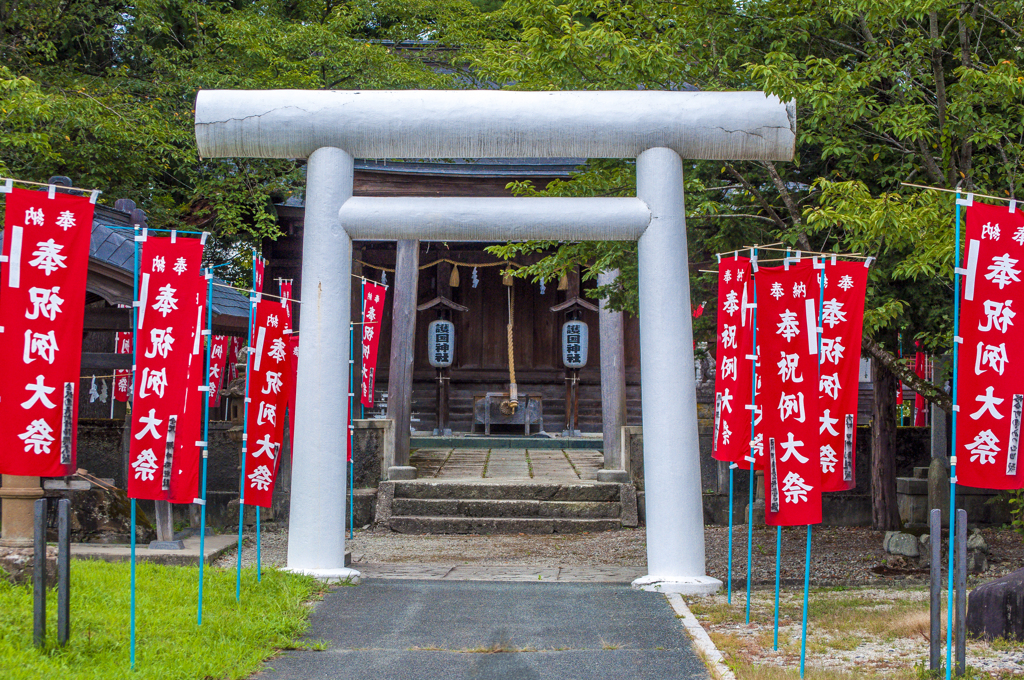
[[593, 492], [443, 507], [499, 525]]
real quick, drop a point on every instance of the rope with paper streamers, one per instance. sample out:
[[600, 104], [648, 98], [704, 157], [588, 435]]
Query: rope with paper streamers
[[439, 261], [509, 407]]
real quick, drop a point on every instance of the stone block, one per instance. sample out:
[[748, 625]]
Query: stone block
[[996, 609], [369, 437], [977, 561], [628, 512], [977, 542], [364, 506], [899, 543], [938, 488], [385, 501], [632, 443]]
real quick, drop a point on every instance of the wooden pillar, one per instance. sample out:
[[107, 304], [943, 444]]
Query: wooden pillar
[[613, 386], [403, 338]]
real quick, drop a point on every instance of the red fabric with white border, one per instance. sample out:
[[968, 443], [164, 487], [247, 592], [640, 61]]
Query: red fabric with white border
[[842, 318], [990, 395], [787, 306]]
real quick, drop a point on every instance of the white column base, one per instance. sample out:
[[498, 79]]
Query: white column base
[[688, 585], [342, 575]]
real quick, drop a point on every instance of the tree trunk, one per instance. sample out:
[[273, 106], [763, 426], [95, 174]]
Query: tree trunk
[[885, 514]]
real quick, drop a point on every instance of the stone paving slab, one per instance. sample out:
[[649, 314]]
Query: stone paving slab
[[504, 572], [428, 462], [541, 465], [551, 465], [214, 547], [419, 630], [587, 462], [507, 463]]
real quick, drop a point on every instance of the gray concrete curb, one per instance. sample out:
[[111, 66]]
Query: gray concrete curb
[[701, 640]]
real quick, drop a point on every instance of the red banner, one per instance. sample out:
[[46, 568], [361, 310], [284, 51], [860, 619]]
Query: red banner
[[734, 367], [787, 306], [842, 323], [232, 369], [373, 312], [989, 396], [218, 361], [42, 306], [257, 274], [188, 447], [293, 353], [919, 402], [270, 368], [293, 349], [122, 379], [163, 454]]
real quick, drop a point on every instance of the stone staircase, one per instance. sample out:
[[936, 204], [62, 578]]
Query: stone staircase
[[471, 507]]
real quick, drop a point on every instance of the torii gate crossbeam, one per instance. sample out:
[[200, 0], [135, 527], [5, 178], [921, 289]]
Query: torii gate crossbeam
[[659, 129]]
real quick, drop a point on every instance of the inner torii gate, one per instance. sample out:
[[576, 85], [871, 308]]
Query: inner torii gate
[[659, 129]]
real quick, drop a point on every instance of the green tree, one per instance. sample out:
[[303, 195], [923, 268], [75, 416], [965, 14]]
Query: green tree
[[104, 92], [929, 92]]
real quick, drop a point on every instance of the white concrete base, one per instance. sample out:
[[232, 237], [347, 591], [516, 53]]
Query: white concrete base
[[692, 585], [342, 575]]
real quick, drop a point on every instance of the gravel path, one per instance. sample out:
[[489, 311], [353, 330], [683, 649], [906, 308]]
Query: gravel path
[[839, 555]]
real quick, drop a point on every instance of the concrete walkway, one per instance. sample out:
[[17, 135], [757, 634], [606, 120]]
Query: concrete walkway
[[420, 630], [513, 572]]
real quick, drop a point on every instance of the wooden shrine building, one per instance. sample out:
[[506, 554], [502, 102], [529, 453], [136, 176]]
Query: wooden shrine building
[[478, 305]]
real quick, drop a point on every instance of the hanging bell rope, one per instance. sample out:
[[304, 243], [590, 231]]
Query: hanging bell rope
[[509, 407]]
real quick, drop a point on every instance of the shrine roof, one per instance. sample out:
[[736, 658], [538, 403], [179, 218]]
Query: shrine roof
[[114, 249]]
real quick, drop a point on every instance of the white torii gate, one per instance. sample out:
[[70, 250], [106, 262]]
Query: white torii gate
[[659, 129]]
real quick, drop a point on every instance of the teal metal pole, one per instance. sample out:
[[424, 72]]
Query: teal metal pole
[[778, 560], [135, 339], [952, 457], [351, 397], [753, 421], [732, 466], [259, 551], [807, 583], [245, 426], [132, 625], [206, 443]]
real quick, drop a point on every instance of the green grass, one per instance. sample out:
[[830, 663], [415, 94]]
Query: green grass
[[232, 642]]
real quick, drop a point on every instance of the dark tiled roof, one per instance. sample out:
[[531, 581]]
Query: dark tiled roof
[[117, 249]]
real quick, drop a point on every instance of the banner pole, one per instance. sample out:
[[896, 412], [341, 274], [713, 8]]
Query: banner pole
[[132, 624], [245, 426], [778, 561], [128, 424], [753, 422], [351, 397], [206, 442], [807, 583], [731, 467], [952, 456], [259, 552]]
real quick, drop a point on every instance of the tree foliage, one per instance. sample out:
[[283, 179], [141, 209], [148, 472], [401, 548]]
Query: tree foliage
[[104, 91], [905, 91]]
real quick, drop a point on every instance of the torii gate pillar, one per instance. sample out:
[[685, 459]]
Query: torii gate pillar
[[316, 525]]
